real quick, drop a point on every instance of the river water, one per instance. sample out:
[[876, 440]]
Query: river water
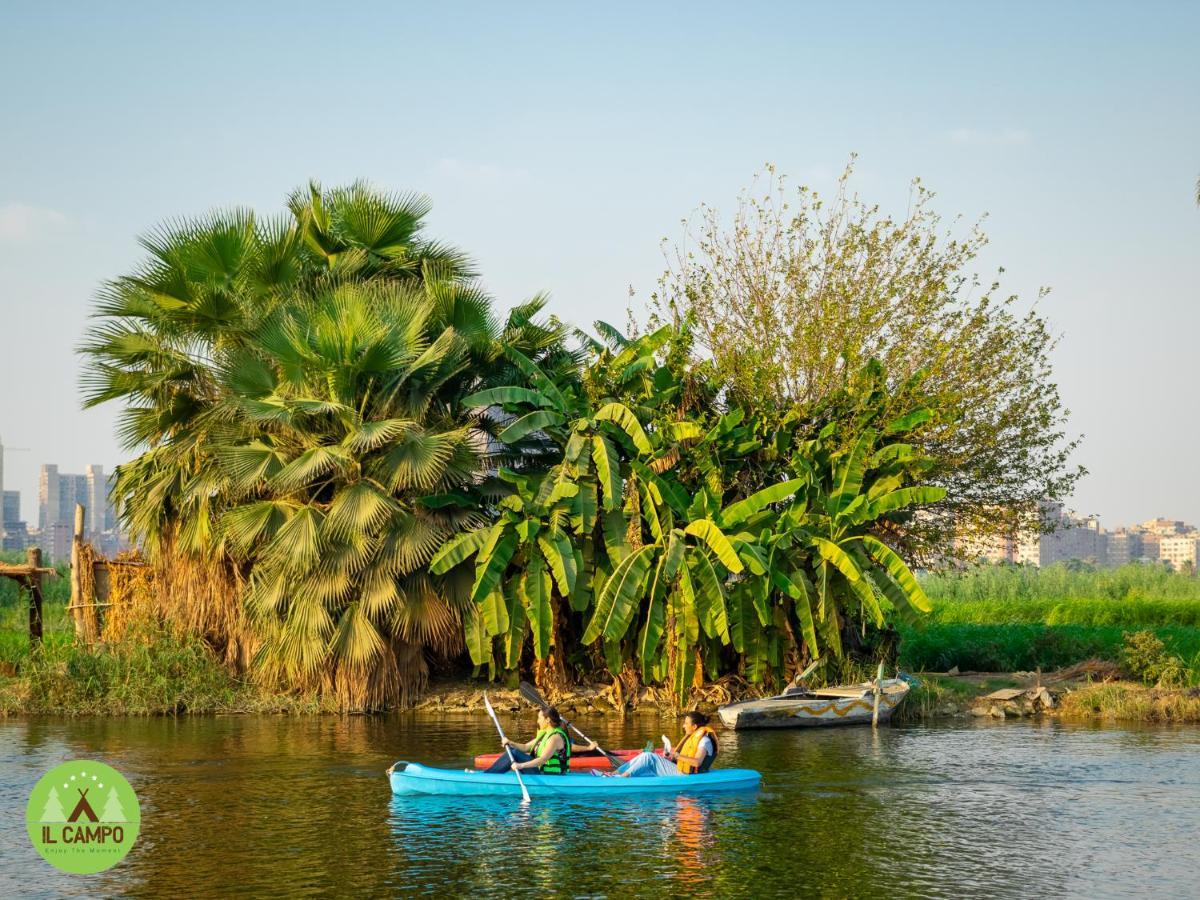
[[270, 806]]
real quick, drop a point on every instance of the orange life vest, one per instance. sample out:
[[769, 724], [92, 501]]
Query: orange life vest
[[690, 746]]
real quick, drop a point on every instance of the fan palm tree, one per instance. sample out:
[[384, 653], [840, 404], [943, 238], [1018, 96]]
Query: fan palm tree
[[339, 442], [294, 388]]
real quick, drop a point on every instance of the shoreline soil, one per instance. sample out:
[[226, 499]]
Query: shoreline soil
[[1077, 696]]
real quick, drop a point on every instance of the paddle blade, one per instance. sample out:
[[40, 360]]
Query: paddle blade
[[529, 692], [615, 761]]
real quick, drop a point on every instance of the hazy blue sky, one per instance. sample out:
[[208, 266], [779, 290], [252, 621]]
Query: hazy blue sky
[[561, 144]]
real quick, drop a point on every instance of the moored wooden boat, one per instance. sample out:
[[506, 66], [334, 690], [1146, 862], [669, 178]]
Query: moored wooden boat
[[796, 708]]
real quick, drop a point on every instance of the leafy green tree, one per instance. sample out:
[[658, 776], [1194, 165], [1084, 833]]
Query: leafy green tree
[[799, 290]]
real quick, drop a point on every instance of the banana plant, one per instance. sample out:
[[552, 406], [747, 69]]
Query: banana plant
[[532, 538], [690, 583], [850, 569]]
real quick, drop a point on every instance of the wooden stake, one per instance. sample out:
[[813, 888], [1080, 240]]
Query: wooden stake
[[33, 558], [878, 690], [76, 605]]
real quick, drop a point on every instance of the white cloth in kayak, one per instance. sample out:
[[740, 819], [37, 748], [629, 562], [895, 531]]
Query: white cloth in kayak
[[646, 765]]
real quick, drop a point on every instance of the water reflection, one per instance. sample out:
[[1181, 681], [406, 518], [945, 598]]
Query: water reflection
[[300, 807]]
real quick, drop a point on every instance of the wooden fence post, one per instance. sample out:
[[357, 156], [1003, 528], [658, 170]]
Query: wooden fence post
[[33, 558], [78, 615], [877, 691]]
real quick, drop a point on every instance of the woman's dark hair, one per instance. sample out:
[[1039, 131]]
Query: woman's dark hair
[[698, 718], [553, 716]]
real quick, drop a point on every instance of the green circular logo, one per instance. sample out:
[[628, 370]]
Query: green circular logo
[[83, 817]]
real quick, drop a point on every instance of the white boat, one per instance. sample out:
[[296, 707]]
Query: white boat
[[851, 704]]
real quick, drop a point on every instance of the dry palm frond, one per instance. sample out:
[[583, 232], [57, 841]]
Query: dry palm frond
[[204, 597]]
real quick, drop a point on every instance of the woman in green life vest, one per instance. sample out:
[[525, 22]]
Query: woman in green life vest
[[549, 753]]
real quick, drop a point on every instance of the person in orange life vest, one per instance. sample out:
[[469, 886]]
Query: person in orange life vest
[[694, 754], [549, 753]]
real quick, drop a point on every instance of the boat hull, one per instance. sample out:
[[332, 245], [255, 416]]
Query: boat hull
[[413, 778], [814, 712], [579, 761]]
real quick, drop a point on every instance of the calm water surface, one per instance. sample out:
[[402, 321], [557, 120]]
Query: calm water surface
[[236, 806]]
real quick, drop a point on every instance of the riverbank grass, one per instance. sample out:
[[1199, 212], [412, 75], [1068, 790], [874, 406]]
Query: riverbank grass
[[154, 671], [1124, 701]]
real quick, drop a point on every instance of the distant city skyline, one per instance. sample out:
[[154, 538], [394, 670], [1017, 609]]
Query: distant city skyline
[[558, 150], [28, 497], [59, 493]]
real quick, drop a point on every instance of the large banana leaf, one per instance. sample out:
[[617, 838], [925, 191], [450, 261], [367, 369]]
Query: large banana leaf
[[535, 595], [616, 540], [849, 477], [752, 556], [840, 559], [672, 492], [803, 598], [708, 532], [500, 395], [490, 567], [864, 588], [536, 377], [479, 645], [899, 572], [561, 558], [687, 615], [581, 597], [710, 596], [621, 416], [735, 514], [495, 614], [529, 423], [515, 637], [458, 549], [684, 672], [651, 635], [756, 650], [584, 507], [612, 657], [743, 620], [617, 601], [649, 511], [608, 470]]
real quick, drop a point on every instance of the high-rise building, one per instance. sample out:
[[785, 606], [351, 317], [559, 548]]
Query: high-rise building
[[1124, 546], [1073, 538], [13, 534], [1150, 542], [97, 499], [58, 492], [47, 496], [1180, 551]]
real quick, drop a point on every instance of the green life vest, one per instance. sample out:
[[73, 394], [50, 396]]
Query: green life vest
[[559, 763]]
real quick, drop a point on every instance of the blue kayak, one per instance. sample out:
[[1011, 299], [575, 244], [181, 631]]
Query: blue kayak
[[414, 778]]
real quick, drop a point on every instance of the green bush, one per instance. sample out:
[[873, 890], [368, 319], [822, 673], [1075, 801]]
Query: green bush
[[1145, 657]]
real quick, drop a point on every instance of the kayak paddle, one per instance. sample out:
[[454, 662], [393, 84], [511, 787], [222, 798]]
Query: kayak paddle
[[529, 692], [507, 749]]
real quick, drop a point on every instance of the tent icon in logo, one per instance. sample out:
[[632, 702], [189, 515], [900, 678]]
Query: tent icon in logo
[[83, 808]]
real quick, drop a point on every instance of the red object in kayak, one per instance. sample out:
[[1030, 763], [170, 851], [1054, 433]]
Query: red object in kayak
[[582, 760]]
